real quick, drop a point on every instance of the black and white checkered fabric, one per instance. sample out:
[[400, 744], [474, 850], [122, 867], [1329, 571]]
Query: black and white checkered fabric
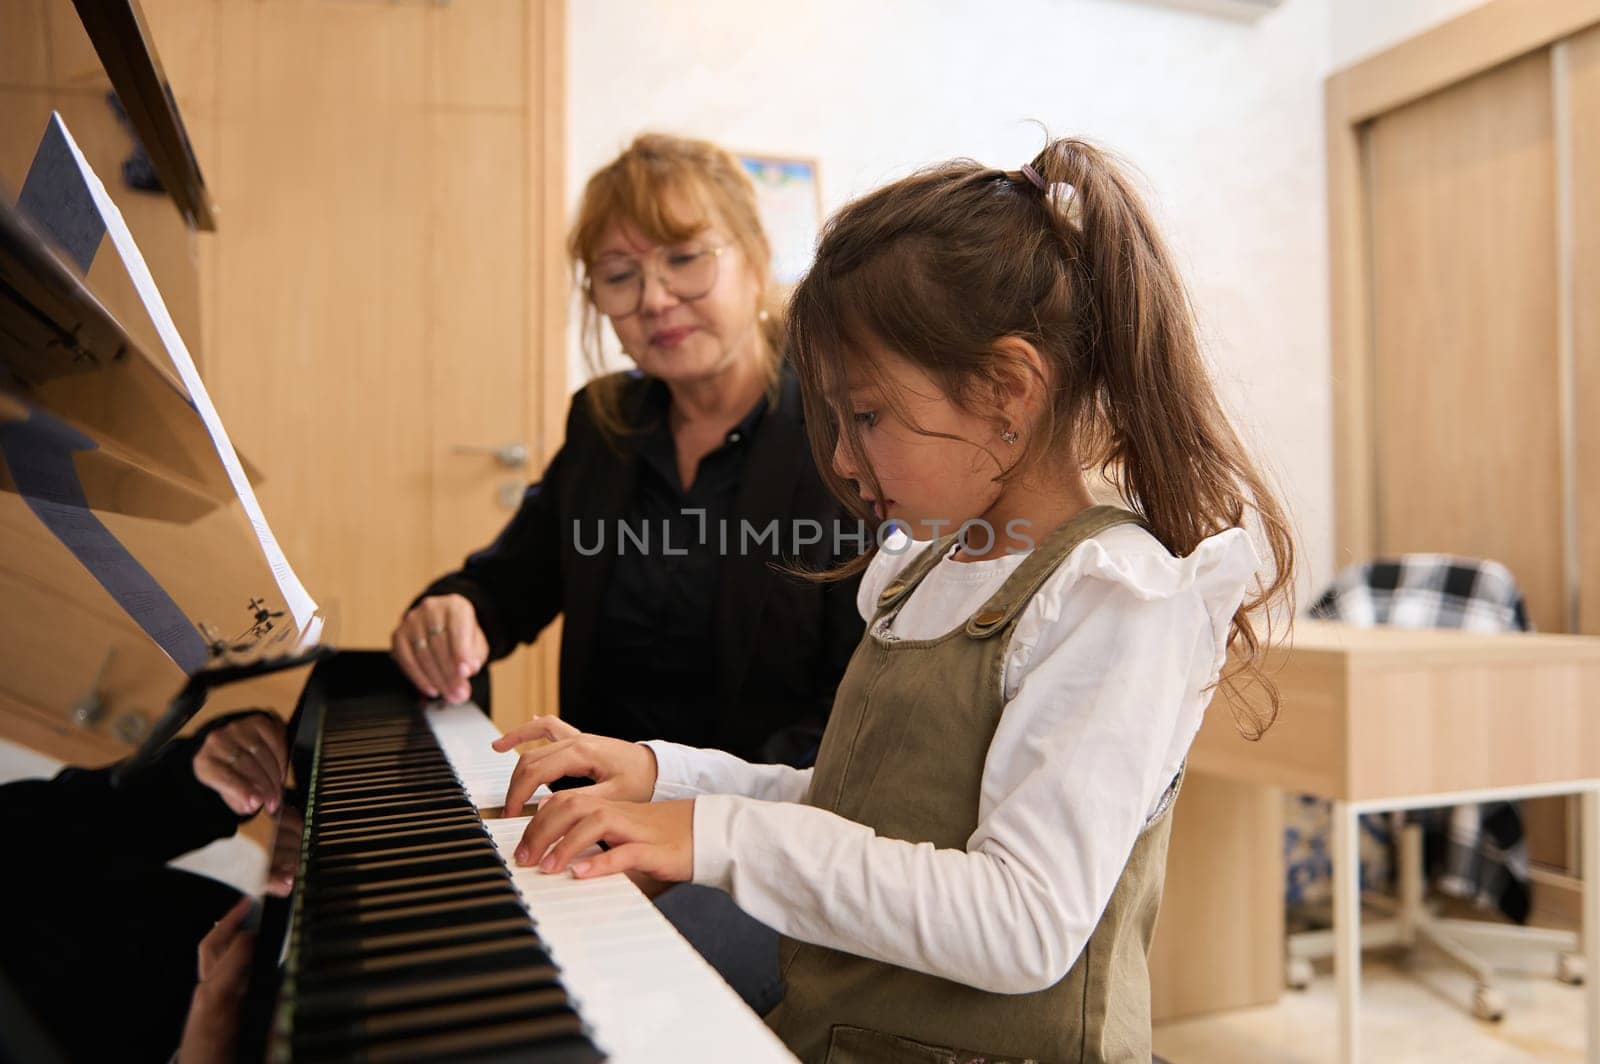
[[1473, 851], [1426, 591]]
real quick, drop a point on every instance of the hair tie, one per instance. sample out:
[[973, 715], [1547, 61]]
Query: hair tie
[[1033, 177]]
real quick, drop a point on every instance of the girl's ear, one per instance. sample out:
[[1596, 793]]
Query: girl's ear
[[1019, 379]]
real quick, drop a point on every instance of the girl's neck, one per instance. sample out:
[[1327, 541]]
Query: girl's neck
[[1024, 514]]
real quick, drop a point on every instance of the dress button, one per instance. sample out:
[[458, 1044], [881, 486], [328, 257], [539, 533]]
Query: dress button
[[735, 437], [989, 617]]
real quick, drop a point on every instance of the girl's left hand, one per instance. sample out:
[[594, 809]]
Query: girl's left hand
[[656, 838]]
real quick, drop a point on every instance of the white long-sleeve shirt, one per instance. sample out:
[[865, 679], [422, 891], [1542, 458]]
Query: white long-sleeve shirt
[[1105, 681]]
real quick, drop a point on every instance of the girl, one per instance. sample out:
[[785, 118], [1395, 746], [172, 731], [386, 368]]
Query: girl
[[972, 870]]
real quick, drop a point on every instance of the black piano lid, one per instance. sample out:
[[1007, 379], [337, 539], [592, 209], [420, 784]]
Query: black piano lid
[[122, 41]]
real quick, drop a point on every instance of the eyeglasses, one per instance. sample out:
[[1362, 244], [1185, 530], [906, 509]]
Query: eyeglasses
[[616, 282]]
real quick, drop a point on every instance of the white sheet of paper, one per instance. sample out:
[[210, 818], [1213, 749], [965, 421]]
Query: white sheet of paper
[[296, 598]]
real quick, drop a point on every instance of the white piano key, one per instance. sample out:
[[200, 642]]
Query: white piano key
[[645, 992]]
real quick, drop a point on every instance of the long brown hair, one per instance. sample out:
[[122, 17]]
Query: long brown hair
[[641, 187], [941, 265]]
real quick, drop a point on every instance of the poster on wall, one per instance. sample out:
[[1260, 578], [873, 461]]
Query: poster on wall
[[790, 201]]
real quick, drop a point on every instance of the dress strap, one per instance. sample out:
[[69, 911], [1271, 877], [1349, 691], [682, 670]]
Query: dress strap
[[914, 573], [1036, 568]]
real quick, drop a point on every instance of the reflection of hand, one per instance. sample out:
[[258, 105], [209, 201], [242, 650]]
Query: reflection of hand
[[244, 761], [438, 645], [285, 852], [621, 770], [656, 838], [213, 1024]]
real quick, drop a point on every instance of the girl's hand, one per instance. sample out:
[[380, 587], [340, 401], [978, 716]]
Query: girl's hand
[[656, 838], [621, 770], [439, 646]]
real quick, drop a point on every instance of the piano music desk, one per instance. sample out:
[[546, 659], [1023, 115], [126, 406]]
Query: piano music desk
[[1377, 719]]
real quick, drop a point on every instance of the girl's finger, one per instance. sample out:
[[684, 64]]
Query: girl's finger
[[556, 816], [544, 726]]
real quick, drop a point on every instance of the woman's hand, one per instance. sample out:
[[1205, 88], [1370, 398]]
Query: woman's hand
[[210, 1033], [244, 761], [621, 770], [656, 838], [438, 645]]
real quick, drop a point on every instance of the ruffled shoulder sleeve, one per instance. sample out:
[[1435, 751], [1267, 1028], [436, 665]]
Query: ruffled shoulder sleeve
[[895, 553], [1218, 572]]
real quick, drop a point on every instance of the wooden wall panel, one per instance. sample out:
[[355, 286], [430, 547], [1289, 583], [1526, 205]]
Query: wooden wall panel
[[476, 349], [24, 51], [1219, 939], [320, 366], [1464, 370], [1583, 93]]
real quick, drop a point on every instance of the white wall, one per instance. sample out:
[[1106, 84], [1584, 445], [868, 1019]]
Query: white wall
[[1223, 117], [1362, 27]]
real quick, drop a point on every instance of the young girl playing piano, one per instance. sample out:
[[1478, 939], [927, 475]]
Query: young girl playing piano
[[973, 867]]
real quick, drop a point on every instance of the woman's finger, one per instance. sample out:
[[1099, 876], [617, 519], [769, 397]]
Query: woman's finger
[[462, 627], [544, 726], [401, 650], [237, 791], [436, 647], [221, 933], [269, 735]]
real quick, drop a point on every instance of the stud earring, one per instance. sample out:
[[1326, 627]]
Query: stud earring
[[1009, 436]]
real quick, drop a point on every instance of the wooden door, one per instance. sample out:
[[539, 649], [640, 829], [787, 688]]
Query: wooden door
[[374, 287], [1467, 449], [1582, 212]]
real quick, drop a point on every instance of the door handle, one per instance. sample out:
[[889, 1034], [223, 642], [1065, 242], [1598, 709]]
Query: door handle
[[513, 455]]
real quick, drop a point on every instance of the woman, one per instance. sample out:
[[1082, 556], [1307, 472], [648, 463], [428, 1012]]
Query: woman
[[661, 529]]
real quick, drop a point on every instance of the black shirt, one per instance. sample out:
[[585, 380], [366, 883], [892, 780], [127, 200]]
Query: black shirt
[[658, 608]]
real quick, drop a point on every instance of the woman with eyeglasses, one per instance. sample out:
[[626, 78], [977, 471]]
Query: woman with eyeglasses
[[662, 530]]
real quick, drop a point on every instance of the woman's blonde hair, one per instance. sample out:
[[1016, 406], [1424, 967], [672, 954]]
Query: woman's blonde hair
[[655, 177]]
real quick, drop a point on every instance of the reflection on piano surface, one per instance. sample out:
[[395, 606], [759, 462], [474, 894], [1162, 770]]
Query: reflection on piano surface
[[130, 566]]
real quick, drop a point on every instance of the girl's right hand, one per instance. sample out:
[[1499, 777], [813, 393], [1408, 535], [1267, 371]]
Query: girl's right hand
[[438, 645], [621, 770]]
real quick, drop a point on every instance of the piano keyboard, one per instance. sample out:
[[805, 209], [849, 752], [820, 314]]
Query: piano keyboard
[[409, 940], [411, 935], [645, 992]]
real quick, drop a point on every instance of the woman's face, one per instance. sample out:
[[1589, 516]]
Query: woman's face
[[678, 339]]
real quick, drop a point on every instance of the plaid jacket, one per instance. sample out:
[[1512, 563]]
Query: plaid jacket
[[1473, 851], [1426, 591]]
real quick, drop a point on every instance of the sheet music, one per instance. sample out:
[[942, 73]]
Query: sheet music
[[647, 994], [296, 598]]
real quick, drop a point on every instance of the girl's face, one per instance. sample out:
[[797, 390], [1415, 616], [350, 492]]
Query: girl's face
[[929, 483], [681, 336]]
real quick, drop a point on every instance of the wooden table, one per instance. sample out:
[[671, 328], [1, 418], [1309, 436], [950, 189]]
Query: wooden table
[[1373, 719]]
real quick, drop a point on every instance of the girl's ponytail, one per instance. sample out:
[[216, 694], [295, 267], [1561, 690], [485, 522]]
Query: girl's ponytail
[[1159, 432]]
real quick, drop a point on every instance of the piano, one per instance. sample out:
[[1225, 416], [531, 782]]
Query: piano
[[138, 575]]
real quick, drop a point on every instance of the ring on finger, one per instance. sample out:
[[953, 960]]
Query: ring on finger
[[233, 758], [436, 629], [421, 642]]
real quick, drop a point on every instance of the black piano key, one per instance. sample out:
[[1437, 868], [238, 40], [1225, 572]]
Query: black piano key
[[319, 1009], [410, 939], [347, 1035]]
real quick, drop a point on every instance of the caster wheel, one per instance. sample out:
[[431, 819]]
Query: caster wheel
[[1297, 973], [1488, 1004], [1571, 968]]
